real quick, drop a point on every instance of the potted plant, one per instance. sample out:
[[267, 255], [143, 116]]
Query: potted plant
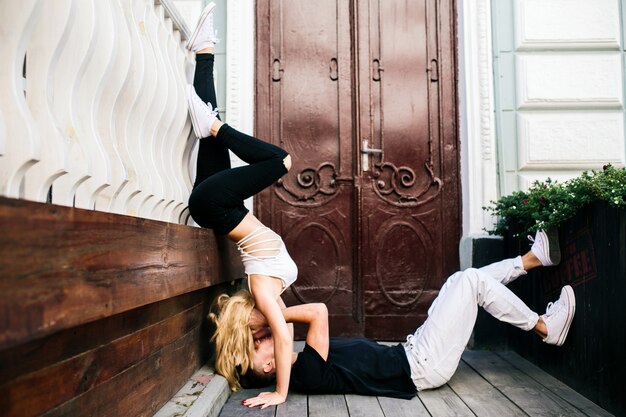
[[549, 204], [590, 214]]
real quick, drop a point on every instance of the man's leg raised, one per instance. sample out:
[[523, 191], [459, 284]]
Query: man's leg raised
[[545, 251], [434, 351]]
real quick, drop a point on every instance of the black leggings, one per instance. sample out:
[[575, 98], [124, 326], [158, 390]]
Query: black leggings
[[216, 201]]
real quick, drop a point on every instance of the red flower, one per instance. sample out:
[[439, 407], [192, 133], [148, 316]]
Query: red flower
[[525, 202]]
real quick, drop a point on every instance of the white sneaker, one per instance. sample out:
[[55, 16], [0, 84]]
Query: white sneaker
[[546, 247], [559, 316], [202, 114], [204, 36]]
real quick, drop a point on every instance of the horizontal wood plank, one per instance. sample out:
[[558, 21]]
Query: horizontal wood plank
[[362, 406], [403, 408], [568, 394], [480, 396], [142, 389], [62, 267], [328, 406], [527, 393], [60, 346], [234, 408], [444, 402], [295, 406], [37, 392]]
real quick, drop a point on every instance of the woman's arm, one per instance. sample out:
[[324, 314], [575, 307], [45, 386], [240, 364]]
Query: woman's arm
[[266, 292], [315, 315], [283, 306]]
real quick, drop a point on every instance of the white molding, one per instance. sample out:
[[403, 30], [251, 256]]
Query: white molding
[[240, 65], [567, 24], [569, 80], [478, 156], [240, 69], [566, 140]]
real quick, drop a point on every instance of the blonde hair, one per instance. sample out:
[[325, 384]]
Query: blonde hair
[[234, 344]]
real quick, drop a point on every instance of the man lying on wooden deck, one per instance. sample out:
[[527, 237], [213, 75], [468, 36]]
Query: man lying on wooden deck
[[430, 356]]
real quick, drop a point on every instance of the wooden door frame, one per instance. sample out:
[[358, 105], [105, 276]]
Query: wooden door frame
[[446, 52]]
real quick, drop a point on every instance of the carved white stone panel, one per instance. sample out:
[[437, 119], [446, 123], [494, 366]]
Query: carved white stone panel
[[22, 147], [574, 140], [48, 40], [572, 80], [92, 107], [542, 24]]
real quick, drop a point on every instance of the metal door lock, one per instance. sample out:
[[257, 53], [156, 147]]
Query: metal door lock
[[365, 151]]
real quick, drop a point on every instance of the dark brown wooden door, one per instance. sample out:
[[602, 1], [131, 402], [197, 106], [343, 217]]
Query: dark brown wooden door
[[362, 95]]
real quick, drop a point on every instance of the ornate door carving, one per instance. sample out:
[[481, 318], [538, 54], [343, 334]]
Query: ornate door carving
[[356, 92]]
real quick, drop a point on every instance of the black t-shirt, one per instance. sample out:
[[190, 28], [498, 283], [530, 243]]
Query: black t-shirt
[[354, 366]]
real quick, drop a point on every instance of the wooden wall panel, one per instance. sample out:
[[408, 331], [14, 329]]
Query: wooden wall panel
[[593, 262], [62, 267], [60, 346], [102, 314], [45, 388], [139, 390]]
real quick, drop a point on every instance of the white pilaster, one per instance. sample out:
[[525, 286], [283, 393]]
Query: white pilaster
[[240, 65], [476, 103], [240, 70]]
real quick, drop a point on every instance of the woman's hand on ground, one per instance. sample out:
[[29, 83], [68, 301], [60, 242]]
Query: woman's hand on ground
[[265, 399]]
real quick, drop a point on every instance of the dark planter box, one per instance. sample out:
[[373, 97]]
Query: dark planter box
[[592, 360]]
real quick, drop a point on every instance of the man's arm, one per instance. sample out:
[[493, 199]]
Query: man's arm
[[258, 322], [315, 315]]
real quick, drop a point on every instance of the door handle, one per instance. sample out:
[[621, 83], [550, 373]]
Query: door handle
[[334, 71], [365, 152], [365, 148]]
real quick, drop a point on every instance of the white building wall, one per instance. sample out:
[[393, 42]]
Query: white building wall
[[559, 88], [541, 95]]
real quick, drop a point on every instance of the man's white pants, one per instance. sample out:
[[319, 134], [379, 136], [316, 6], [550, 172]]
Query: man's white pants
[[435, 349]]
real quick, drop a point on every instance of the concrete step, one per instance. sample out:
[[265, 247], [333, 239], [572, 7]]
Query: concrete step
[[202, 396]]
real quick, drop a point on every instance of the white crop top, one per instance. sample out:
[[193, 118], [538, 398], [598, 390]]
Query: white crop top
[[263, 252]]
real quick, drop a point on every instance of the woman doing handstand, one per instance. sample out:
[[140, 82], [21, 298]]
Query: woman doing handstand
[[217, 202]]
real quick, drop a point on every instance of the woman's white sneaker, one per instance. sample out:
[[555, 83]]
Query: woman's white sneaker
[[204, 36], [202, 114], [546, 247], [559, 316]]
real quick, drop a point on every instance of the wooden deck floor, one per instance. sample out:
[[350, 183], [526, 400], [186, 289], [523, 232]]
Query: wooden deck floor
[[499, 384]]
